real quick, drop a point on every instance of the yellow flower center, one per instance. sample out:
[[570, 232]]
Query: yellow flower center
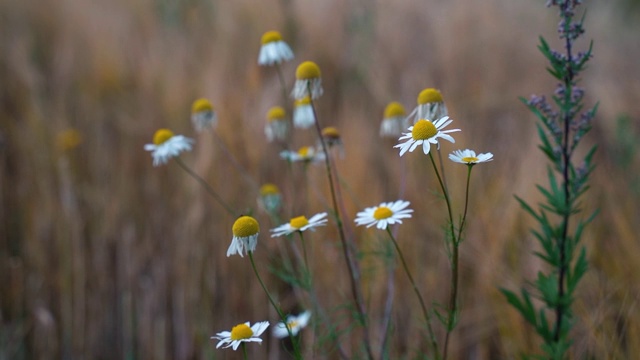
[[69, 139], [470, 159], [245, 226], [201, 105], [276, 113], [241, 332], [331, 132], [382, 212], [304, 101], [269, 189], [423, 130], [304, 151], [429, 95], [307, 70], [271, 36], [162, 135], [299, 222], [394, 109], [291, 324]]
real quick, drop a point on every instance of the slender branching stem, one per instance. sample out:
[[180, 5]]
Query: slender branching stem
[[566, 159], [354, 274], [296, 350], [206, 186], [425, 312]]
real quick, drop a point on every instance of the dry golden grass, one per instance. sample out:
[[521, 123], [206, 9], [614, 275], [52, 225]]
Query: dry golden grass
[[103, 256]]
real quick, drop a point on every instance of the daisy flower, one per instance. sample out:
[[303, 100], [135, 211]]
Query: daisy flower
[[306, 154], [300, 224], [294, 323], [384, 214], [303, 113], [274, 50], [203, 115], [393, 121], [332, 138], [167, 145], [245, 236], [277, 127], [425, 133], [241, 333], [430, 106], [270, 198], [469, 157], [307, 78]]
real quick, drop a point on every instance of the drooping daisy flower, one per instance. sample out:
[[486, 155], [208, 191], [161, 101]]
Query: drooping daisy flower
[[307, 79], [203, 115], [274, 50], [430, 106], [306, 154], [270, 198], [241, 333], [425, 133], [332, 138], [469, 157], [167, 145], [384, 214], [245, 236], [300, 224], [303, 113], [277, 127], [294, 323], [393, 121]]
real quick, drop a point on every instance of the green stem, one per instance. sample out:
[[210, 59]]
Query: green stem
[[353, 271], [453, 296], [206, 186], [427, 318], [282, 317], [244, 351], [304, 252], [466, 201]]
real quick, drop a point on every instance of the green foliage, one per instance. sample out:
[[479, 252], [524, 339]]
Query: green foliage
[[561, 127]]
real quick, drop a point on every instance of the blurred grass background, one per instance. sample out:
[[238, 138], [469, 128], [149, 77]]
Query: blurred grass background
[[103, 256]]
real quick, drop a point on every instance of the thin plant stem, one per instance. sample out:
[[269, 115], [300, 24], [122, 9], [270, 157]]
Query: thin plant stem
[[244, 351], [386, 319], [316, 303], [285, 102], [296, 350], [354, 274], [444, 176], [235, 162], [425, 312], [206, 186], [466, 201], [304, 252], [283, 85], [453, 296]]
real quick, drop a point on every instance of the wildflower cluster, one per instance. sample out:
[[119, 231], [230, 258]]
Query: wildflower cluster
[[424, 127]]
